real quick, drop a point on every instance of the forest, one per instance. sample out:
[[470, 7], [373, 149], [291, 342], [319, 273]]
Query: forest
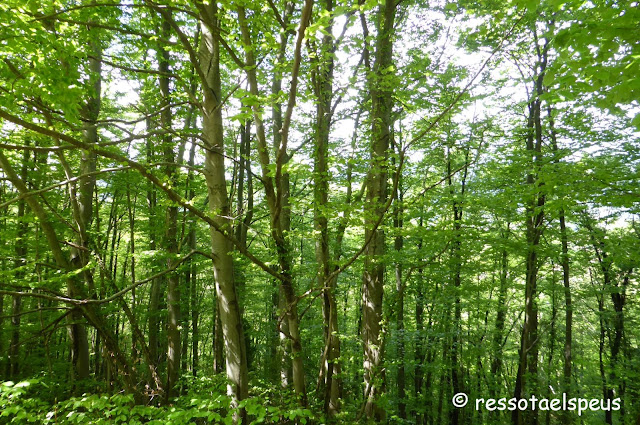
[[319, 212]]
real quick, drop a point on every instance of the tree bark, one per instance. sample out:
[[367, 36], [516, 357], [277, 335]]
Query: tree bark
[[564, 262], [528, 363], [20, 263], [420, 339], [322, 77], [283, 363], [456, 257], [398, 223], [192, 273], [153, 327], [498, 335], [214, 172], [171, 221], [83, 205], [376, 196]]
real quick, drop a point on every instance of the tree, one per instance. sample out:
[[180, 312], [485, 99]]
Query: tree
[[353, 194], [380, 89]]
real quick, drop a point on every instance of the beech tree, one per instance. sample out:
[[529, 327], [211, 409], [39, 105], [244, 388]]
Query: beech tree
[[318, 212]]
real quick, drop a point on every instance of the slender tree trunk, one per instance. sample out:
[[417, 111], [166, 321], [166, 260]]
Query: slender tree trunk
[[564, 262], [608, 414], [277, 191], [83, 206], [283, 363], [420, 339], [376, 196], [245, 146], [244, 172], [195, 332], [131, 211], [456, 256], [528, 363], [156, 291], [185, 311], [20, 264], [322, 75], [171, 221], [14, 345], [618, 299], [214, 171], [444, 384], [419, 353], [192, 273], [498, 335], [398, 245], [551, 375]]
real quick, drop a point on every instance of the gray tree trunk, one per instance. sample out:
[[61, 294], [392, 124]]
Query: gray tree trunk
[[214, 171]]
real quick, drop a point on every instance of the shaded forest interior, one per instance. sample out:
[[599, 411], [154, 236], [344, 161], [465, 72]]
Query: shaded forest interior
[[320, 211]]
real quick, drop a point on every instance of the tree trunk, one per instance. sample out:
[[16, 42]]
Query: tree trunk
[[376, 197], [322, 76], [131, 210], [398, 244], [14, 345], [214, 171], [608, 414], [20, 264], [528, 363], [564, 262], [277, 191], [83, 203], [618, 299], [456, 257], [551, 375], [218, 340], [171, 221], [285, 354], [153, 327], [195, 333], [420, 339], [498, 335], [192, 273]]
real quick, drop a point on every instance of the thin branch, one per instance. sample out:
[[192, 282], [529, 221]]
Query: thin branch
[[139, 70], [62, 183], [173, 196], [281, 156], [34, 148], [129, 288], [37, 310], [229, 50], [193, 57], [124, 29], [277, 14]]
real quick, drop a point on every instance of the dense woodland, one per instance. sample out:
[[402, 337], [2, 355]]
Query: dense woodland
[[325, 211]]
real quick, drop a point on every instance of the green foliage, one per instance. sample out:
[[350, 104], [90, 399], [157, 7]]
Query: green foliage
[[204, 402], [463, 83]]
